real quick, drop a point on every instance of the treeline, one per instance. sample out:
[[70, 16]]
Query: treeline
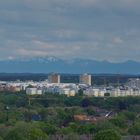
[[51, 116], [97, 79]]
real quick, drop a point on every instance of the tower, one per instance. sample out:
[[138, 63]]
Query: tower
[[54, 78], [85, 79]]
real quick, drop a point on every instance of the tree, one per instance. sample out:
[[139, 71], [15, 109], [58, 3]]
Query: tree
[[107, 94], [119, 121], [15, 135], [85, 102], [33, 134], [131, 116], [37, 134], [26, 131], [86, 129], [91, 111], [105, 125], [122, 105], [49, 128], [107, 135], [63, 117], [80, 92], [135, 129], [72, 136], [66, 130], [73, 101]]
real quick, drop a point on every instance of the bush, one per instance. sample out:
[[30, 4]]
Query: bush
[[107, 135]]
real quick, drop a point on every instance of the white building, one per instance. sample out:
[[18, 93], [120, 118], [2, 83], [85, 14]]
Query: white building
[[95, 92], [33, 91], [133, 83], [124, 92], [67, 91]]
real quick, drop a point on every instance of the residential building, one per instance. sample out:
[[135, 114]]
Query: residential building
[[33, 91], [85, 79], [54, 78]]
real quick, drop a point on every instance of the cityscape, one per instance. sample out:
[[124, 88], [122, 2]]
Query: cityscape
[[53, 85], [83, 104], [69, 70]]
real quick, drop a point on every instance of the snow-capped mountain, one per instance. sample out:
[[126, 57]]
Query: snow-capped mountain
[[53, 64]]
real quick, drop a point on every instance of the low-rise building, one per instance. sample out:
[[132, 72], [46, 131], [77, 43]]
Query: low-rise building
[[67, 91], [95, 92], [33, 91]]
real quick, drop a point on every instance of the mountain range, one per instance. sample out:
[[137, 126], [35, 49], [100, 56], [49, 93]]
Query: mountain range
[[53, 64]]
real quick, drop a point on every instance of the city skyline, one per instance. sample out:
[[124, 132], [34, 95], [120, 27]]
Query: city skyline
[[88, 29]]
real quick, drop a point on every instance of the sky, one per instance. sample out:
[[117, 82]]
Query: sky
[[88, 29]]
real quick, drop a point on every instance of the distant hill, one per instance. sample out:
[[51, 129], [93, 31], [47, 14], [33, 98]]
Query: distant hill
[[52, 64]]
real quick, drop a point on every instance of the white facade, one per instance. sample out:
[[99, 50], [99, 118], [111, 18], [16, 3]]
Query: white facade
[[133, 83], [33, 91], [116, 92], [70, 89], [123, 93], [95, 92], [67, 91]]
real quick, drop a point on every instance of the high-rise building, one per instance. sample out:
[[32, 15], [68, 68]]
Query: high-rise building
[[85, 79], [54, 78]]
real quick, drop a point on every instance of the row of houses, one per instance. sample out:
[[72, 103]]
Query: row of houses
[[96, 92], [39, 88], [71, 89], [114, 92], [37, 91]]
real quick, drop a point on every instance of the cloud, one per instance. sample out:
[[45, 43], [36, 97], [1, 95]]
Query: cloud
[[95, 29], [117, 40]]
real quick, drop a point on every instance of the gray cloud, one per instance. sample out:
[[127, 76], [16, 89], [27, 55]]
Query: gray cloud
[[95, 29]]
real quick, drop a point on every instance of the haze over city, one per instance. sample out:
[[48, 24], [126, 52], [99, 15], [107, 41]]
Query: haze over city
[[88, 29]]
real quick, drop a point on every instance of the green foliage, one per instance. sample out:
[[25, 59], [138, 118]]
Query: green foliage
[[107, 135], [37, 134], [66, 130], [74, 126], [135, 129], [104, 125], [57, 116], [26, 131], [91, 111], [72, 136], [50, 129], [2, 116], [83, 129], [135, 108], [73, 101], [107, 94], [63, 116], [4, 130], [130, 115], [15, 135], [10, 99], [80, 92], [86, 102], [119, 121], [30, 86]]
